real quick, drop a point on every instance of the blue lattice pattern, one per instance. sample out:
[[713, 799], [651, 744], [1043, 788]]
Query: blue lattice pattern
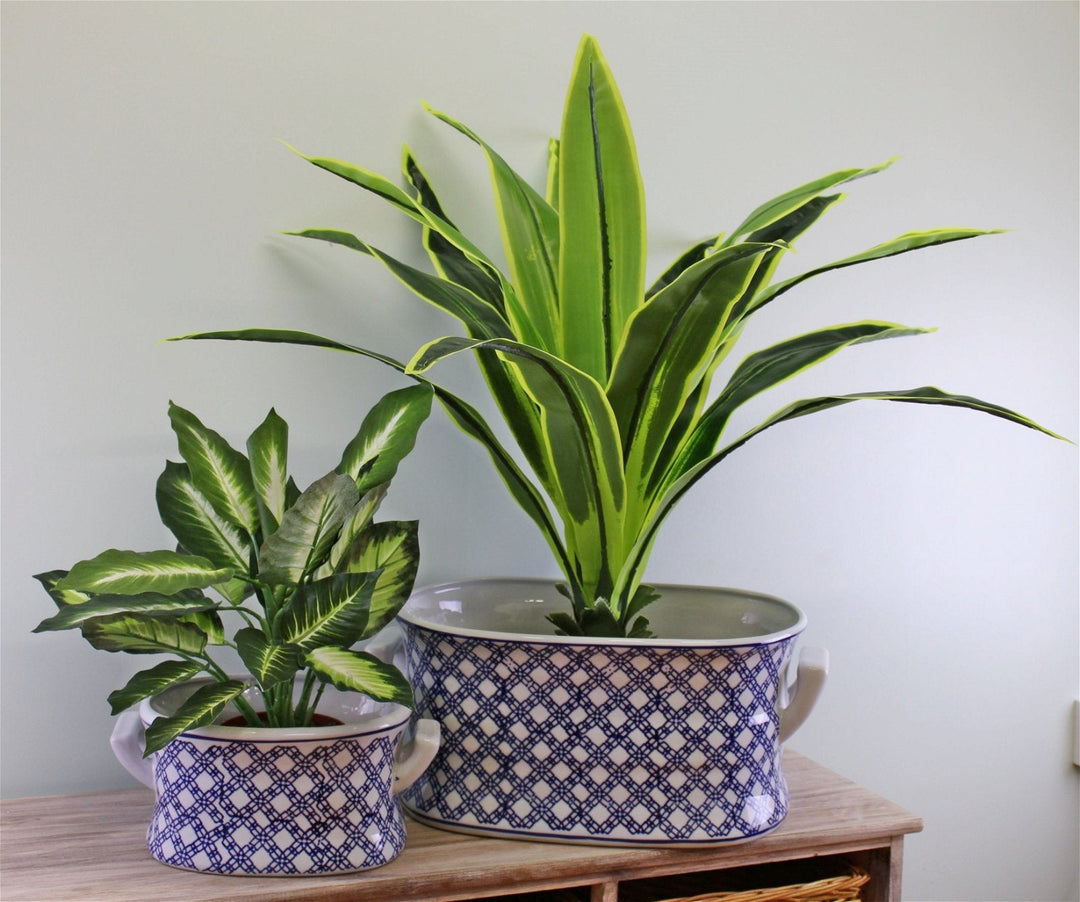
[[242, 807], [624, 744]]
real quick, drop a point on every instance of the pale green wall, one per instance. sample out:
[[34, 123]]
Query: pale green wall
[[934, 551]]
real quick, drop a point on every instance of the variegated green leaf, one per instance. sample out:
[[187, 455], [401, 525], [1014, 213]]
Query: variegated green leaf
[[356, 522], [601, 217], [150, 682], [61, 597], [269, 662], [668, 347], [196, 523], [148, 604], [479, 316], [387, 434], [133, 572], [308, 530], [268, 454], [203, 707], [582, 445], [781, 206], [358, 671], [220, 472], [136, 634], [909, 241], [393, 549], [209, 623], [530, 232], [330, 611], [449, 260]]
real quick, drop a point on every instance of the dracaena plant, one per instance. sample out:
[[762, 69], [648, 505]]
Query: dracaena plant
[[305, 575], [605, 379]]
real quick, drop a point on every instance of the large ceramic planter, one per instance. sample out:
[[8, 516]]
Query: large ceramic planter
[[278, 802], [671, 741]]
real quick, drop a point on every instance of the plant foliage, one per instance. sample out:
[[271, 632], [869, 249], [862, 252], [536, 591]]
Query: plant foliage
[[308, 573], [604, 379]]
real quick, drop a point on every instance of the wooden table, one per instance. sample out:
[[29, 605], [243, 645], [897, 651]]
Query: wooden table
[[92, 847]]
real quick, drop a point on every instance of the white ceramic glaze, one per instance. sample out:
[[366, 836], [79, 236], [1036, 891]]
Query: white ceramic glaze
[[278, 801], [668, 741]]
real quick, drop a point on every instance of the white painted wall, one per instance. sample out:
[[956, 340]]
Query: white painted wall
[[934, 551]]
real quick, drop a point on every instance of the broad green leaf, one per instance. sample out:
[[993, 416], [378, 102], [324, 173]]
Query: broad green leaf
[[61, 597], [330, 611], [358, 519], [308, 530], [268, 453], [150, 682], [692, 255], [147, 604], [530, 233], [196, 523], [393, 549], [601, 217], [449, 260], [134, 572], [203, 707], [219, 471], [387, 434], [269, 662], [208, 623], [136, 634], [551, 194], [781, 206], [479, 316], [358, 671], [464, 415], [909, 241], [770, 367]]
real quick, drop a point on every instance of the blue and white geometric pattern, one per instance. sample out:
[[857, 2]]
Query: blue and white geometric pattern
[[276, 809], [613, 744]]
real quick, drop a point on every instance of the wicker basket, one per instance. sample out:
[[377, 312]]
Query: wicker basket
[[830, 889]]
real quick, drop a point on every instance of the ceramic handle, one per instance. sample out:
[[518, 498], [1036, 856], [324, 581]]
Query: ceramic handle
[[804, 692], [418, 754], [128, 742]]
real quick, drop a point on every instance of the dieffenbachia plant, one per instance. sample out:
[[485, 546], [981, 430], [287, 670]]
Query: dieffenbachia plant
[[322, 573], [606, 380]]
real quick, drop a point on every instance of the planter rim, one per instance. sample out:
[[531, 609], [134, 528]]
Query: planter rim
[[385, 717], [414, 616]]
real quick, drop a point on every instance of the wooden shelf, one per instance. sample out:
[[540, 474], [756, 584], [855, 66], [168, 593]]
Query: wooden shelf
[[92, 847]]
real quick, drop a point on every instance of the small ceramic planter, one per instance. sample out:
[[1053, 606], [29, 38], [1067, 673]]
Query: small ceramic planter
[[672, 741], [278, 801]]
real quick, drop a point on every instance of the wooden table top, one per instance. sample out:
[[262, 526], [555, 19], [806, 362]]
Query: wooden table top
[[92, 847]]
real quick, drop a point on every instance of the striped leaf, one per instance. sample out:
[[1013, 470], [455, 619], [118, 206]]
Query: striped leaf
[[387, 434], [330, 611], [147, 683], [141, 635], [308, 530], [779, 207], [358, 671], [449, 260], [148, 603], [358, 520], [196, 523], [120, 572], [393, 549], [909, 241], [268, 453], [530, 233], [219, 471], [203, 707], [601, 217], [581, 442], [268, 661]]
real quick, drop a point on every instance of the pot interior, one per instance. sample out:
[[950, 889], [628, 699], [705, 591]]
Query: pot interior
[[683, 614]]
